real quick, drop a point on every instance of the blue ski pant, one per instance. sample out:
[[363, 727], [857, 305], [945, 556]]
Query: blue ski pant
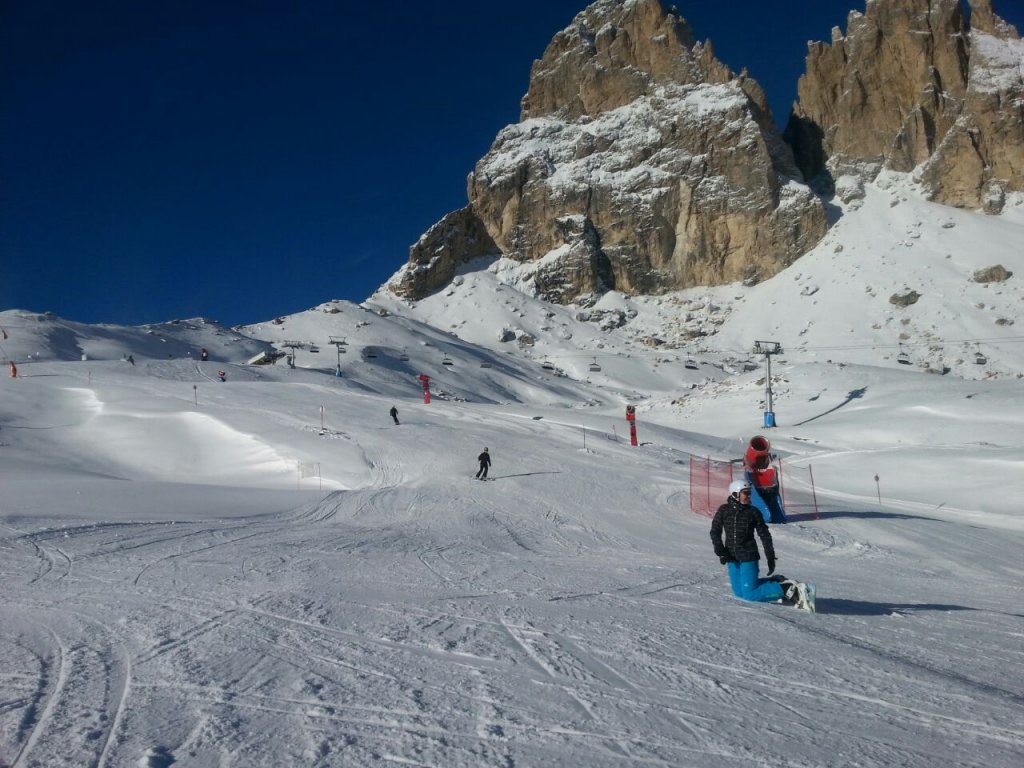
[[747, 586]]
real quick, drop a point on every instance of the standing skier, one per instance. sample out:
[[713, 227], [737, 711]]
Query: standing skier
[[394, 414], [485, 462], [739, 520]]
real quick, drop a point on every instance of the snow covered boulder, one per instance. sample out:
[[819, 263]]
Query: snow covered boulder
[[850, 188]]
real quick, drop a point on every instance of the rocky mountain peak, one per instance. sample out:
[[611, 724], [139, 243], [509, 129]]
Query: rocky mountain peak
[[612, 54], [640, 163], [914, 85]]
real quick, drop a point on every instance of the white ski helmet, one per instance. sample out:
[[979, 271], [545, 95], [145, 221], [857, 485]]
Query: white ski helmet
[[738, 485]]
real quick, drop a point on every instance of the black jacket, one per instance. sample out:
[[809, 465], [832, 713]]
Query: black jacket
[[484, 458], [739, 521]]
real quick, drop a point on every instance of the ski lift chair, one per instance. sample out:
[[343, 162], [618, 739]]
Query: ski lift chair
[[903, 358], [594, 367], [547, 365], [314, 348], [369, 354], [447, 361], [691, 364], [485, 364], [404, 357]]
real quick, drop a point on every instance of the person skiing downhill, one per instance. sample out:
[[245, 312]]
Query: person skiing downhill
[[738, 520], [485, 462], [394, 414]]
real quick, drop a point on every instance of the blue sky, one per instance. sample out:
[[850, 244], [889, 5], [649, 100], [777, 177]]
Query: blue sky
[[243, 160]]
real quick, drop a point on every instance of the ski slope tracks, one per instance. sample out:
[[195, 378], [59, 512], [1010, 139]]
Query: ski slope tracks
[[267, 571]]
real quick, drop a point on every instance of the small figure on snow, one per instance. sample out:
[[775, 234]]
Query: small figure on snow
[[14, 370], [222, 375], [203, 354], [131, 359], [485, 462], [394, 414], [739, 520]]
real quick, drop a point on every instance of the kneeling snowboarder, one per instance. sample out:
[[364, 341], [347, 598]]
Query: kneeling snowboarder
[[738, 520]]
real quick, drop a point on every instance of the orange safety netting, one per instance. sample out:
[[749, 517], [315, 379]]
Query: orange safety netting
[[709, 484]]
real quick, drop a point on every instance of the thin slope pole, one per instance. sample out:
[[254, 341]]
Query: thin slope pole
[[814, 494]]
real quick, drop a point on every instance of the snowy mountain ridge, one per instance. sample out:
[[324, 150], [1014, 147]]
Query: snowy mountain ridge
[[834, 304], [886, 242]]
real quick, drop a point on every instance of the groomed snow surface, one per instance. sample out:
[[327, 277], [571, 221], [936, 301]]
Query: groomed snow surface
[[180, 587]]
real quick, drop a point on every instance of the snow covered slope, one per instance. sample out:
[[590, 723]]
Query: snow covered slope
[[267, 571]]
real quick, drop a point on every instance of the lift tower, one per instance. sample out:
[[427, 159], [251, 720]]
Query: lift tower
[[768, 348]]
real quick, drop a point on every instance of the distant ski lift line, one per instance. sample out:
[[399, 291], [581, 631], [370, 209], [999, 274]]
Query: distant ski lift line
[[796, 350]]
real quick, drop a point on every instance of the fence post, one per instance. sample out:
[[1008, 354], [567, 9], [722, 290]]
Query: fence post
[[814, 494], [782, 491], [707, 479]]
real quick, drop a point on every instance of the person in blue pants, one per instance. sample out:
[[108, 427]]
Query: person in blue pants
[[736, 522]]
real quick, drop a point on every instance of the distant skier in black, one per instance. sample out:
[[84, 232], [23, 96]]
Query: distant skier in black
[[394, 414], [485, 462]]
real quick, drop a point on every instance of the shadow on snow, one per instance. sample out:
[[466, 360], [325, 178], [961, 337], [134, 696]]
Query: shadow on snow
[[843, 607]]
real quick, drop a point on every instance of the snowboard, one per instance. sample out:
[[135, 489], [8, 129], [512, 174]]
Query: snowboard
[[809, 605]]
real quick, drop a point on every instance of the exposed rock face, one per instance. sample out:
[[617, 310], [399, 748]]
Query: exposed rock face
[[434, 259], [641, 163], [994, 274], [912, 86], [905, 299]]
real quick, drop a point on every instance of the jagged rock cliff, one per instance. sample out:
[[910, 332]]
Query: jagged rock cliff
[[913, 87], [640, 163]]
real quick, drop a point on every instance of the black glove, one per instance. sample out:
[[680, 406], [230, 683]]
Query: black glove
[[725, 559], [771, 565]]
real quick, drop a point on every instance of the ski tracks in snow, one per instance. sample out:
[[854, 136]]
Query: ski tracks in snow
[[413, 624], [72, 713]]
